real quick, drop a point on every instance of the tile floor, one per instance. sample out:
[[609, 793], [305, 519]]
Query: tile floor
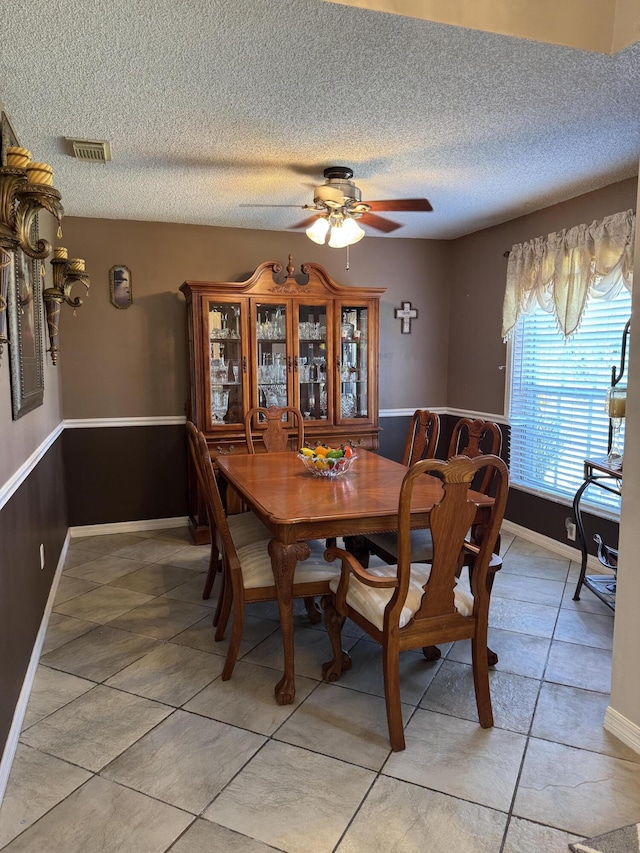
[[131, 741]]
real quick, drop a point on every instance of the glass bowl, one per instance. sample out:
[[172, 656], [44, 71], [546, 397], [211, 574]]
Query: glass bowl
[[321, 467]]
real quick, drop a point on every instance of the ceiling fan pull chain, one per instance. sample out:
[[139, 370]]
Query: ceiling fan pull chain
[[347, 257]]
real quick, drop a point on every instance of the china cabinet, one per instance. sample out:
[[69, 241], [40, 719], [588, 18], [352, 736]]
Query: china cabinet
[[279, 339]]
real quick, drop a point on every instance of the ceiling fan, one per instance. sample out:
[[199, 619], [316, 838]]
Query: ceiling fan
[[337, 204]]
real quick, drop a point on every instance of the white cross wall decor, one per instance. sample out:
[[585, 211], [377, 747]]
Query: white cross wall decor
[[406, 314]]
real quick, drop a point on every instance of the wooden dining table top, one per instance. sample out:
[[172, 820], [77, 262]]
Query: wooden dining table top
[[296, 504]]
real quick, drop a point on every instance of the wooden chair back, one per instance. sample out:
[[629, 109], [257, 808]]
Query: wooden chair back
[[449, 522], [422, 437], [276, 434], [474, 438], [215, 508]]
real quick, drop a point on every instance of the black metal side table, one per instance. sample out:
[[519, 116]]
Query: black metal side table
[[597, 472]]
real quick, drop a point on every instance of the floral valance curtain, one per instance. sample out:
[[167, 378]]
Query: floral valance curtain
[[561, 271]]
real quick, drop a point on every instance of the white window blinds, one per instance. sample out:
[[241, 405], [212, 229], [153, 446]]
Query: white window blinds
[[558, 389]]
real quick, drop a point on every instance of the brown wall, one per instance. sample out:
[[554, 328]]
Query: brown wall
[[36, 513], [132, 363]]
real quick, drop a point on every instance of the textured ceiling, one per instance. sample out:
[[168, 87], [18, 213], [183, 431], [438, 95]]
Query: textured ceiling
[[213, 104]]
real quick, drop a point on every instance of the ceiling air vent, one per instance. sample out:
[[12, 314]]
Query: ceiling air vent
[[91, 150]]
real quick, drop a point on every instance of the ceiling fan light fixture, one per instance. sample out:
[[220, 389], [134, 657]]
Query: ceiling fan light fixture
[[318, 231], [345, 233]]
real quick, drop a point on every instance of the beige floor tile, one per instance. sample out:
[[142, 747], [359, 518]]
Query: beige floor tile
[[522, 547], [295, 800], [269, 609], [574, 717], [579, 666], [312, 649], [99, 654], [513, 697], [202, 635], [550, 567], [365, 675], [102, 817], [538, 620], [162, 618], [37, 783], [149, 550], [588, 603], [342, 723], [206, 837], [171, 674], [105, 569], [77, 557], [69, 588], [106, 544], [95, 728], [517, 653], [585, 629], [578, 791], [102, 604], [460, 758], [153, 578], [185, 761], [191, 589], [248, 699], [63, 629], [51, 690], [194, 557], [526, 837], [400, 817], [526, 588], [506, 541], [173, 534]]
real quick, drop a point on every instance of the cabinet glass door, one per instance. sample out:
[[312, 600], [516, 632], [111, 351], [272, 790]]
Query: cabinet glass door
[[311, 362], [353, 363], [271, 354], [225, 363]]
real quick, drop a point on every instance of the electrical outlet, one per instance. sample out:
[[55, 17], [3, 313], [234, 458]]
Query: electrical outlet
[[42, 555], [571, 529]]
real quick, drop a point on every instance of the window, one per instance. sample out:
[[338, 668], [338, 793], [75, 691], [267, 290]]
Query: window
[[557, 398]]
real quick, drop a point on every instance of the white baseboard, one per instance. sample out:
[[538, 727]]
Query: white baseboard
[[550, 544], [622, 728], [128, 526], [21, 708]]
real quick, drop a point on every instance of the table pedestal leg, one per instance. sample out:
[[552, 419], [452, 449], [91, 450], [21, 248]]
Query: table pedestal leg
[[283, 561]]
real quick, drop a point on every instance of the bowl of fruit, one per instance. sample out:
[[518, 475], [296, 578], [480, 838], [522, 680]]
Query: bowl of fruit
[[324, 461]]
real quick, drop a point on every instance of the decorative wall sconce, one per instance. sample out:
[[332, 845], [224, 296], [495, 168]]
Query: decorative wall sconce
[[65, 274], [25, 189]]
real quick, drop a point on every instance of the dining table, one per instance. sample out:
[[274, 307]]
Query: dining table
[[296, 506]]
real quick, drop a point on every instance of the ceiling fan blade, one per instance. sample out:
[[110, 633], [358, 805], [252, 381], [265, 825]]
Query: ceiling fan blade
[[378, 222], [306, 222], [401, 204]]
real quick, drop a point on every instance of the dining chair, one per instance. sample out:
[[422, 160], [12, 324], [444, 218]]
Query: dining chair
[[247, 567], [276, 435], [470, 438], [422, 437], [409, 605], [245, 527]]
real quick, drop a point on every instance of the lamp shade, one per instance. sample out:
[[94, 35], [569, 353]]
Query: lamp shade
[[318, 231], [345, 234]]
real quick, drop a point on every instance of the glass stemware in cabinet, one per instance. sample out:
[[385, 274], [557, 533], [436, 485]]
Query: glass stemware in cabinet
[[219, 405]]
